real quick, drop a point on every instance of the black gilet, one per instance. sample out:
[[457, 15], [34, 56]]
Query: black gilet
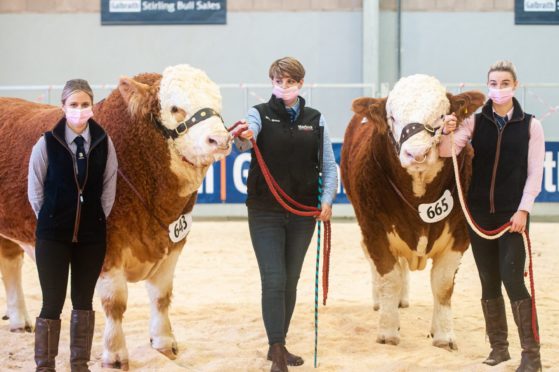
[[70, 213], [500, 164], [291, 151]]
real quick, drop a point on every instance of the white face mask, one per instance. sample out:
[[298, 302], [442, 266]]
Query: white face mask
[[75, 116]]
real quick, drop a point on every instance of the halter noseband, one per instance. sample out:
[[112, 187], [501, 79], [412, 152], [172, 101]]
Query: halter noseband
[[409, 130], [185, 125]]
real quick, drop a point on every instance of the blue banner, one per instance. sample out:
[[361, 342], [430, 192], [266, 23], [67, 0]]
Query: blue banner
[[163, 12], [536, 12], [233, 188], [550, 182]]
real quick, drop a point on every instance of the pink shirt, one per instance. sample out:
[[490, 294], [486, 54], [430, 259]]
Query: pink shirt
[[536, 153]]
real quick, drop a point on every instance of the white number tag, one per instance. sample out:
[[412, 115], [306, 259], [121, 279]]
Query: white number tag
[[437, 211], [179, 229]]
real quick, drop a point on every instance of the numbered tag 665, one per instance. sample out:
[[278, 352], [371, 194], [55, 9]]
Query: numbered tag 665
[[437, 211]]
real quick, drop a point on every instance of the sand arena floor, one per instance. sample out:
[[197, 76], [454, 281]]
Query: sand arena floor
[[217, 323]]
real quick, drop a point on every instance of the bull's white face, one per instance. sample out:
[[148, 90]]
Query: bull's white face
[[417, 99], [184, 90]]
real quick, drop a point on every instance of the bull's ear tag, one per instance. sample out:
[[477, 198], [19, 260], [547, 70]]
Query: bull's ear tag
[[465, 111], [179, 229], [437, 211]]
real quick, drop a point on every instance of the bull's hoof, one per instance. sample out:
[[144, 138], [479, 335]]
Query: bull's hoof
[[117, 365], [388, 340], [27, 328], [5, 317], [170, 353], [376, 307], [445, 344], [404, 304]]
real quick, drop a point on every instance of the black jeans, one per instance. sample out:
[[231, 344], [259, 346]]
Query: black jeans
[[53, 262], [501, 260], [280, 241]]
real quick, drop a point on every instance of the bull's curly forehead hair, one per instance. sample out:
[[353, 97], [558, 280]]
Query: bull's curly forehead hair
[[287, 66], [76, 85], [506, 66]]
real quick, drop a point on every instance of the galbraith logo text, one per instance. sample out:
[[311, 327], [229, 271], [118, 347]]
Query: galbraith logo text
[[135, 6], [540, 5]]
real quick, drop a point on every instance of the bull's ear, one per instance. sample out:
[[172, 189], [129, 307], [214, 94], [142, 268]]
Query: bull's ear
[[367, 106], [135, 94], [465, 104], [130, 88]]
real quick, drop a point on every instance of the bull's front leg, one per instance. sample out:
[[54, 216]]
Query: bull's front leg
[[445, 266], [389, 286], [11, 262], [160, 289], [375, 277], [405, 292], [113, 290]]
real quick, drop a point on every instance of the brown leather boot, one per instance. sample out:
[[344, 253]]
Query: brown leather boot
[[47, 334], [531, 360], [279, 358], [496, 329], [292, 359], [82, 325]]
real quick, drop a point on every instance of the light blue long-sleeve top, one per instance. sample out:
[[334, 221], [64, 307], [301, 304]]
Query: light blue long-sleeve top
[[329, 171]]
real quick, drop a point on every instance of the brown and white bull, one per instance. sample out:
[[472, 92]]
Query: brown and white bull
[[167, 131], [404, 196]]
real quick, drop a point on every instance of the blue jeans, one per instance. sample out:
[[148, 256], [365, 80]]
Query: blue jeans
[[280, 241]]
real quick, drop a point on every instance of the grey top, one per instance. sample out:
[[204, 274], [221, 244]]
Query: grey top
[[329, 169], [39, 162]]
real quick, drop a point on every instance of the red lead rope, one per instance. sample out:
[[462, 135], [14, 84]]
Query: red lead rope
[[303, 210]]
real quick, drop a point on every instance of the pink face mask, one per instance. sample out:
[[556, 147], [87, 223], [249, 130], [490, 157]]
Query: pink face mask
[[76, 116], [500, 96], [287, 94]]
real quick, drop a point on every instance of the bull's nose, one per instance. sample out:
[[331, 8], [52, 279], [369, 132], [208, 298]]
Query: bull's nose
[[219, 141], [416, 157]]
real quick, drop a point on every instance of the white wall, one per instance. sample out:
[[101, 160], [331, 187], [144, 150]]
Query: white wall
[[453, 46], [52, 48], [460, 47]]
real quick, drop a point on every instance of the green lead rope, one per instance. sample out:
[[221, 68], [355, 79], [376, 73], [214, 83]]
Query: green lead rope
[[316, 274]]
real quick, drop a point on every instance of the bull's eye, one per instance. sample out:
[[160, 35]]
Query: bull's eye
[[174, 109]]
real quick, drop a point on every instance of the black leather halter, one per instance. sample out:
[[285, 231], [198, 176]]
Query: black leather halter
[[184, 126], [409, 130]]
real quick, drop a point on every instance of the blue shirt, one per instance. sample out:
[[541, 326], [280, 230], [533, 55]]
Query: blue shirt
[[329, 169]]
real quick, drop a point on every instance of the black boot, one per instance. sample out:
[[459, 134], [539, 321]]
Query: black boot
[[292, 359], [496, 329], [47, 334], [279, 358], [531, 361], [82, 325]]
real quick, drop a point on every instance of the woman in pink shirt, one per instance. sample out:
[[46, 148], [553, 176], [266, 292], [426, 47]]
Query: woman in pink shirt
[[507, 172]]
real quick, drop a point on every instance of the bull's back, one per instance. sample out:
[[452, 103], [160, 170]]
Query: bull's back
[[21, 125], [356, 140]]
